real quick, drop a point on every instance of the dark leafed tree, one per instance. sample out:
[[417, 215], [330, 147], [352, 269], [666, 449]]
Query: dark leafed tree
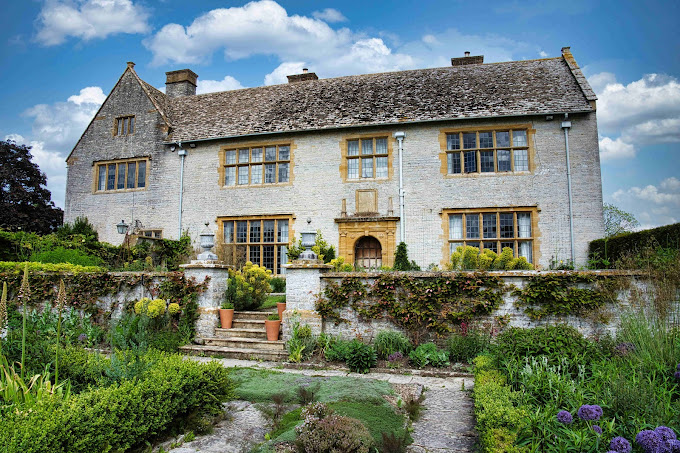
[[25, 202]]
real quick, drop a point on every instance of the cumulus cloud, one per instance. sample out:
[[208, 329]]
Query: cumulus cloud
[[615, 149], [644, 112], [265, 28], [211, 86], [329, 15], [543, 54], [654, 205], [56, 129]]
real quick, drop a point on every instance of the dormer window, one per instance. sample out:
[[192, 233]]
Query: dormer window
[[125, 125]]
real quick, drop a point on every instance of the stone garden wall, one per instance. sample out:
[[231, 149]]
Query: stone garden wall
[[305, 283]]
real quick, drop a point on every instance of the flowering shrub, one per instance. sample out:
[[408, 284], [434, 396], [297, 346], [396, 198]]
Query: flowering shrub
[[141, 305], [174, 308], [324, 432], [565, 417], [248, 288], [620, 445], [156, 308], [648, 440], [589, 412]]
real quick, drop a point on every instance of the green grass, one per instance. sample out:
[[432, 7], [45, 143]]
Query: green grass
[[357, 398], [272, 301], [259, 385]]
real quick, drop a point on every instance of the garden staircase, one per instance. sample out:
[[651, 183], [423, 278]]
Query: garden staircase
[[247, 339]]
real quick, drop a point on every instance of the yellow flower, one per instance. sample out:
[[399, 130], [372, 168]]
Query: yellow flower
[[156, 308], [173, 308], [141, 305]]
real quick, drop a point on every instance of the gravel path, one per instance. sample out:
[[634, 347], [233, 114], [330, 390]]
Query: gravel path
[[446, 425]]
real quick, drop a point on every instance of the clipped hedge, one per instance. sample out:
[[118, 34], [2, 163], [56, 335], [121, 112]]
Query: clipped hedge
[[119, 417], [17, 268], [499, 418], [616, 247]]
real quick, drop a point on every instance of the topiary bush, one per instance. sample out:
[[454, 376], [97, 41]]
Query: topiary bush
[[62, 255]]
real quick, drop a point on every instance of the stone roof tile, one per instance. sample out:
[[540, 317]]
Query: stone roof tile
[[474, 91]]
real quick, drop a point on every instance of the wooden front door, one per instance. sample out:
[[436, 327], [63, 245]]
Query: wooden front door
[[368, 253]]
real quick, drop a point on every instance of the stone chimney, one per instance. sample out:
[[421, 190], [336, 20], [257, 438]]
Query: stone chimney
[[467, 59], [180, 83], [306, 75]]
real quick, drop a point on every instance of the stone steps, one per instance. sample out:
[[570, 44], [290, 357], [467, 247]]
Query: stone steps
[[247, 339], [234, 353], [246, 343]]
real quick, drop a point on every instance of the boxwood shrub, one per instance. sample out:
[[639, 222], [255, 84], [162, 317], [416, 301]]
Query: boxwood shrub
[[614, 248], [121, 416]]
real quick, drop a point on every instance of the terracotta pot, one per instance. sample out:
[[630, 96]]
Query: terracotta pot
[[273, 328], [226, 317], [281, 306]]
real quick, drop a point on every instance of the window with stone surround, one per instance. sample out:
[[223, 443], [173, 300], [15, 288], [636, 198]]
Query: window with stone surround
[[367, 158], [256, 165], [125, 125], [501, 150], [493, 229], [120, 175], [263, 240]]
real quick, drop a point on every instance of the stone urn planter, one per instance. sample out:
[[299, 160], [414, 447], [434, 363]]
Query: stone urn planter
[[272, 324], [281, 307], [226, 315]]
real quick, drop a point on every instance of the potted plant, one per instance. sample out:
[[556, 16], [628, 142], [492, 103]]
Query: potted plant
[[226, 314], [281, 307], [273, 325]]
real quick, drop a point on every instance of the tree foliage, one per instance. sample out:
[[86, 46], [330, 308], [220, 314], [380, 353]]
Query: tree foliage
[[617, 221], [25, 202]]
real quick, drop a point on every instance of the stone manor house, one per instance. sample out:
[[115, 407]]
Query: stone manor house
[[490, 155]]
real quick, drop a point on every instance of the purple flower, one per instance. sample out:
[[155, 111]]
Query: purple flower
[[665, 433], [620, 445], [82, 338], [597, 429], [589, 412], [648, 440], [674, 445], [678, 367], [677, 375], [396, 356], [564, 417], [624, 349]]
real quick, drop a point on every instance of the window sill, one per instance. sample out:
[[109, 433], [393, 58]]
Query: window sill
[[487, 174], [367, 180], [101, 192], [257, 186]]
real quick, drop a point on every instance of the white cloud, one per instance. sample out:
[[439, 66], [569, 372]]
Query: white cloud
[[653, 205], [543, 54], [671, 184], [329, 15], [56, 129], [615, 149], [279, 74], [89, 19], [210, 86], [644, 112]]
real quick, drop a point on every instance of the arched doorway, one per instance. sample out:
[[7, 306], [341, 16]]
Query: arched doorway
[[368, 253]]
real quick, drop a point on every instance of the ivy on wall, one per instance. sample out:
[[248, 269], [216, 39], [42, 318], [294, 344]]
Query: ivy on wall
[[566, 294], [416, 304]]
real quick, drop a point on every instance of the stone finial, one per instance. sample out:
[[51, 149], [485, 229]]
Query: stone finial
[[131, 64]]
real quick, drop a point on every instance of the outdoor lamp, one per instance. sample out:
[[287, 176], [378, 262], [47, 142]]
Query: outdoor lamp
[[122, 227]]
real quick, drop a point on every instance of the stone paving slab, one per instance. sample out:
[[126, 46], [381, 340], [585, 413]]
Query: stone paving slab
[[446, 425]]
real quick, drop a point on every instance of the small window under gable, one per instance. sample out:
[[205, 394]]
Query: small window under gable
[[125, 125]]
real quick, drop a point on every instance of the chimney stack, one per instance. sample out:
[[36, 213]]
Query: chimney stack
[[305, 76], [467, 59], [180, 83]]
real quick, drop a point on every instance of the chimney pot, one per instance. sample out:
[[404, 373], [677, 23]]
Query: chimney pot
[[305, 70], [467, 54]]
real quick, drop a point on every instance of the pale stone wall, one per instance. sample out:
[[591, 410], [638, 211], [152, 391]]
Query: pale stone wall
[[317, 189], [209, 300], [300, 280]]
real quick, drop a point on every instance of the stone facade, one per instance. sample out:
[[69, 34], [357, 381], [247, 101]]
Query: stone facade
[[318, 183]]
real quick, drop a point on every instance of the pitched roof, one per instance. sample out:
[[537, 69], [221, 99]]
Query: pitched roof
[[543, 86]]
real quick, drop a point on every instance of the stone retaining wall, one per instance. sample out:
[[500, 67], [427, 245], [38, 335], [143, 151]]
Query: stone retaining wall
[[304, 284]]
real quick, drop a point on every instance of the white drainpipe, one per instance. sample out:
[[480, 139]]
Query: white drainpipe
[[566, 125], [182, 153], [402, 230]]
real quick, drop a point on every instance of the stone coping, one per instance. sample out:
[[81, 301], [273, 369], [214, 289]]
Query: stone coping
[[206, 265], [299, 264], [519, 273]]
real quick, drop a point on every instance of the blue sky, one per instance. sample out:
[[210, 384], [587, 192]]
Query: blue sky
[[62, 57]]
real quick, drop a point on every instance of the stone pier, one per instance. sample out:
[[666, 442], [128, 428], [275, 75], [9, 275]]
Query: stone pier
[[208, 301], [303, 284]]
